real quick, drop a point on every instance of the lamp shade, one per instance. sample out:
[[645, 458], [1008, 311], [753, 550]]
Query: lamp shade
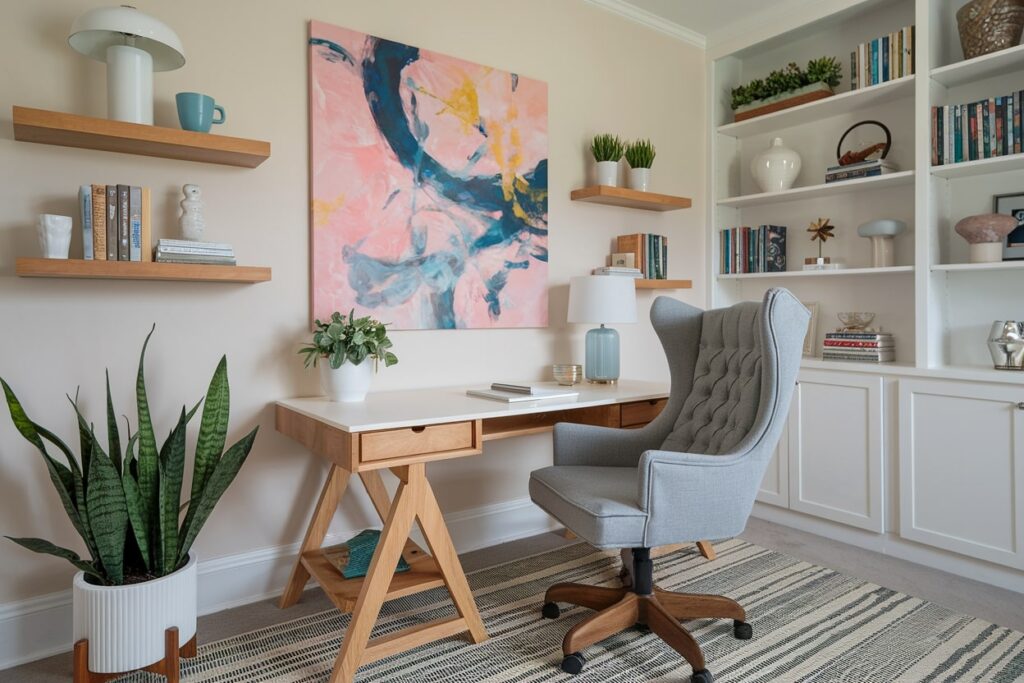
[[602, 299], [98, 29]]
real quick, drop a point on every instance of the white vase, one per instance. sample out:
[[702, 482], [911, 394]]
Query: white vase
[[348, 384], [776, 168], [608, 173], [54, 235], [125, 625], [639, 178]]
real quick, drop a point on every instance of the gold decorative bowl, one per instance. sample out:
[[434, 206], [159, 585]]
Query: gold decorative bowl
[[567, 375]]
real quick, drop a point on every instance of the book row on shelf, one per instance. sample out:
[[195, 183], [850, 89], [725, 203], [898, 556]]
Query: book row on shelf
[[649, 252], [883, 59], [977, 130], [866, 346], [753, 250]]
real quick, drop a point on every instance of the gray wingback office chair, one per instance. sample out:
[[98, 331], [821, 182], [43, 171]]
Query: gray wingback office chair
[[690, 474]]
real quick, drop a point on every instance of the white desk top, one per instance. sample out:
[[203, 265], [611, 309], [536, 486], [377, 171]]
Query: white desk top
[[415, 407]]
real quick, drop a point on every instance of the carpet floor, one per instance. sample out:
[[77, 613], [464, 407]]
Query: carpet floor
[[810, 624]]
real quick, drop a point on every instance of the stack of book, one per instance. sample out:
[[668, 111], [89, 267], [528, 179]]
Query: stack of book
[[650, 252], [188, 251], [979, 130], [618, 271], [753, 250], [864, 346], [862, 169], [883, 59], [116, 222]]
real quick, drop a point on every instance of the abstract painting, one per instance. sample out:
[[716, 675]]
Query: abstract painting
[[429, 188]]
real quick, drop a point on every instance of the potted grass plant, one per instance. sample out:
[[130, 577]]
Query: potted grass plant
[[139, 578], [607, 150], [640, 157], [347, 350]]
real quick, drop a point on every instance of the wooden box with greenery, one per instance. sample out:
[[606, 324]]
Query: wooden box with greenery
[[140, 576], [785, 88], [352, 347]]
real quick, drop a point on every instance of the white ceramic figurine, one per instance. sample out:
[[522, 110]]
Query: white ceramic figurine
[[191, 222]]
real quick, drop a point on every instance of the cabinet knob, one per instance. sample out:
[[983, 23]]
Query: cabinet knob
[[1020, 406]]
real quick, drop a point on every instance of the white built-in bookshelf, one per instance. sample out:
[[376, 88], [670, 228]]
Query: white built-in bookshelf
[[938, 306]]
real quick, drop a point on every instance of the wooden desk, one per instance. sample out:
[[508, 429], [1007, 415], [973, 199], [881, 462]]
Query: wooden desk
[[402, 431]]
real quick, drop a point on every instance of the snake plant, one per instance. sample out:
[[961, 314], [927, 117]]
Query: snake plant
[[126, 505], [606, 147], [640, 154]]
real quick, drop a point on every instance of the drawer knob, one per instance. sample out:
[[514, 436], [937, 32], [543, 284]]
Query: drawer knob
[[1020, 406]]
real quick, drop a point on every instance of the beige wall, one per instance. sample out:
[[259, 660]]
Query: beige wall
[[604, 74]]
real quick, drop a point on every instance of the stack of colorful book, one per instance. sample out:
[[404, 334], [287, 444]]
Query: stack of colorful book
[[883, 59], [116, 222], [865, 346], [618, 271], [189, 251], [862, 169], [753, 250], [650, 251], [979, 130]]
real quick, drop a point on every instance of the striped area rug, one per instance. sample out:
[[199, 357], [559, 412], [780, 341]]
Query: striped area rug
[[810, 624]]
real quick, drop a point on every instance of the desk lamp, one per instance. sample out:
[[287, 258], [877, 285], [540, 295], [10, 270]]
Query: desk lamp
[[133, 45], [602, 299]]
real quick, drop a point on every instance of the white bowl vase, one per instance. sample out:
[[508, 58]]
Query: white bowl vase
[[776, 168], [639, 178], [608, 173], [348, 384], [125, 625]]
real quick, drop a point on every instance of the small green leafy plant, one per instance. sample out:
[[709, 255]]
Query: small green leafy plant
[[606, 147], [352, 339], [640, 154], [127, 508], [822, 70]]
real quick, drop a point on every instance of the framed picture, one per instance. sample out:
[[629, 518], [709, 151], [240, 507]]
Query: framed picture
[[812, 328], [1013, 204], [623, 260]]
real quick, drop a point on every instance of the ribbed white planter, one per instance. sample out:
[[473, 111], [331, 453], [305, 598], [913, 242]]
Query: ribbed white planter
[[125, 625], [348, 383]]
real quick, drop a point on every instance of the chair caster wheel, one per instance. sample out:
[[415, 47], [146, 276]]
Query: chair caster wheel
[[550, 610], [702, 676], [573, 664], [742, 630]]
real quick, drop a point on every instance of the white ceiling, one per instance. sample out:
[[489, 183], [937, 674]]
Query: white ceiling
[[703, 16]]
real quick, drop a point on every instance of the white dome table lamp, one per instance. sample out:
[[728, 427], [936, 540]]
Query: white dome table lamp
[[602, 299], [133, 45]]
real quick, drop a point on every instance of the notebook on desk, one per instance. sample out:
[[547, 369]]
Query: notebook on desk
[[515, 393]]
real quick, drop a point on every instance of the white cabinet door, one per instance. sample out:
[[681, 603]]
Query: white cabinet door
[[962, 468], [774, 488], [836, 448]]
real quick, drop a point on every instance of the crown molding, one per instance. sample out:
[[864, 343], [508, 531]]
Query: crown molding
[[651, 20]]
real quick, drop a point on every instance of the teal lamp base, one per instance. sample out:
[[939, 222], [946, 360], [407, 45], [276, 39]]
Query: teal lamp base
[[602, 363]]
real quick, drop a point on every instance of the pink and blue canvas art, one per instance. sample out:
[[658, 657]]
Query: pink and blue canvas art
[[429, 186]]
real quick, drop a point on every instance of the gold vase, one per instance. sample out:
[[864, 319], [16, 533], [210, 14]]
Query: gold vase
[[989, 26]]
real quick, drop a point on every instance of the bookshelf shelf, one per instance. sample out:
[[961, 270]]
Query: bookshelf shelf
[[134, 270], [72, 130], [818, 273], [966, 169], [824, 190], [630, 199], [836, 105], [985, 66], [663, 284], [969, 267]]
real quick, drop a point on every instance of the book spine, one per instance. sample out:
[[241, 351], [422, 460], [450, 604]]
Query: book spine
[[985, 148], [875, 72], [940, 145], [972, 132], [123, 223], [99, 222], [85, 210], [111, 222], [913, 49], [135, 223], [885, 59], [664, 256], [1018, 102], [853, 70], [935, 136], [147, 224], [861, 67]]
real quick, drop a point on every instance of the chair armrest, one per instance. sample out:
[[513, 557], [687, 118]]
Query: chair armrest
[[578, 444]]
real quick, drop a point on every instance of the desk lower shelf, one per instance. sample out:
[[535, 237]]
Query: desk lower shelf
[[423, 574]]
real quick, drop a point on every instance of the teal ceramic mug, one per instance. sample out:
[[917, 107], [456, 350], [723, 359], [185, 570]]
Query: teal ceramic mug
[[195, 111]]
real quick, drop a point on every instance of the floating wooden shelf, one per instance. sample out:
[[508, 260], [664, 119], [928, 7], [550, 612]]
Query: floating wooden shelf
[[71, 130], [135, 270], [663, 284], [630, 199]]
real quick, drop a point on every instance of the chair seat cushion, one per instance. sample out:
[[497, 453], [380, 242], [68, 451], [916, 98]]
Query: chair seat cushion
[[597, 503]]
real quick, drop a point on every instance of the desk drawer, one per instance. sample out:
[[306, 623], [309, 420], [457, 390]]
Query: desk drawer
[[641, 412], [397, 443]]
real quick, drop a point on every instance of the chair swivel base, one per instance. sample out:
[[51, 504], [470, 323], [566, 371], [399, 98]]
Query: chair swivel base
[[642, 604]]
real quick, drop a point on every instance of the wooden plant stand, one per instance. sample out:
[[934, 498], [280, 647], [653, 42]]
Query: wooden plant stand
[[169, 666], [773, 107]]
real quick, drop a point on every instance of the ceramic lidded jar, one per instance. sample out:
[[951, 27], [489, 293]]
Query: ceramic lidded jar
[[986, 234], [776, 168]]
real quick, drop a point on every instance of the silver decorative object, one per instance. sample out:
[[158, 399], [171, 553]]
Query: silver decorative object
[[1006, 344]]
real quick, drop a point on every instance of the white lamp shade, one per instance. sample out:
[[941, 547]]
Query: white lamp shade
[[96, 30], [602, 299]]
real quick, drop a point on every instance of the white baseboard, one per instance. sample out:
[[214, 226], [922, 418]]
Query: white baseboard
[[41, 626]]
